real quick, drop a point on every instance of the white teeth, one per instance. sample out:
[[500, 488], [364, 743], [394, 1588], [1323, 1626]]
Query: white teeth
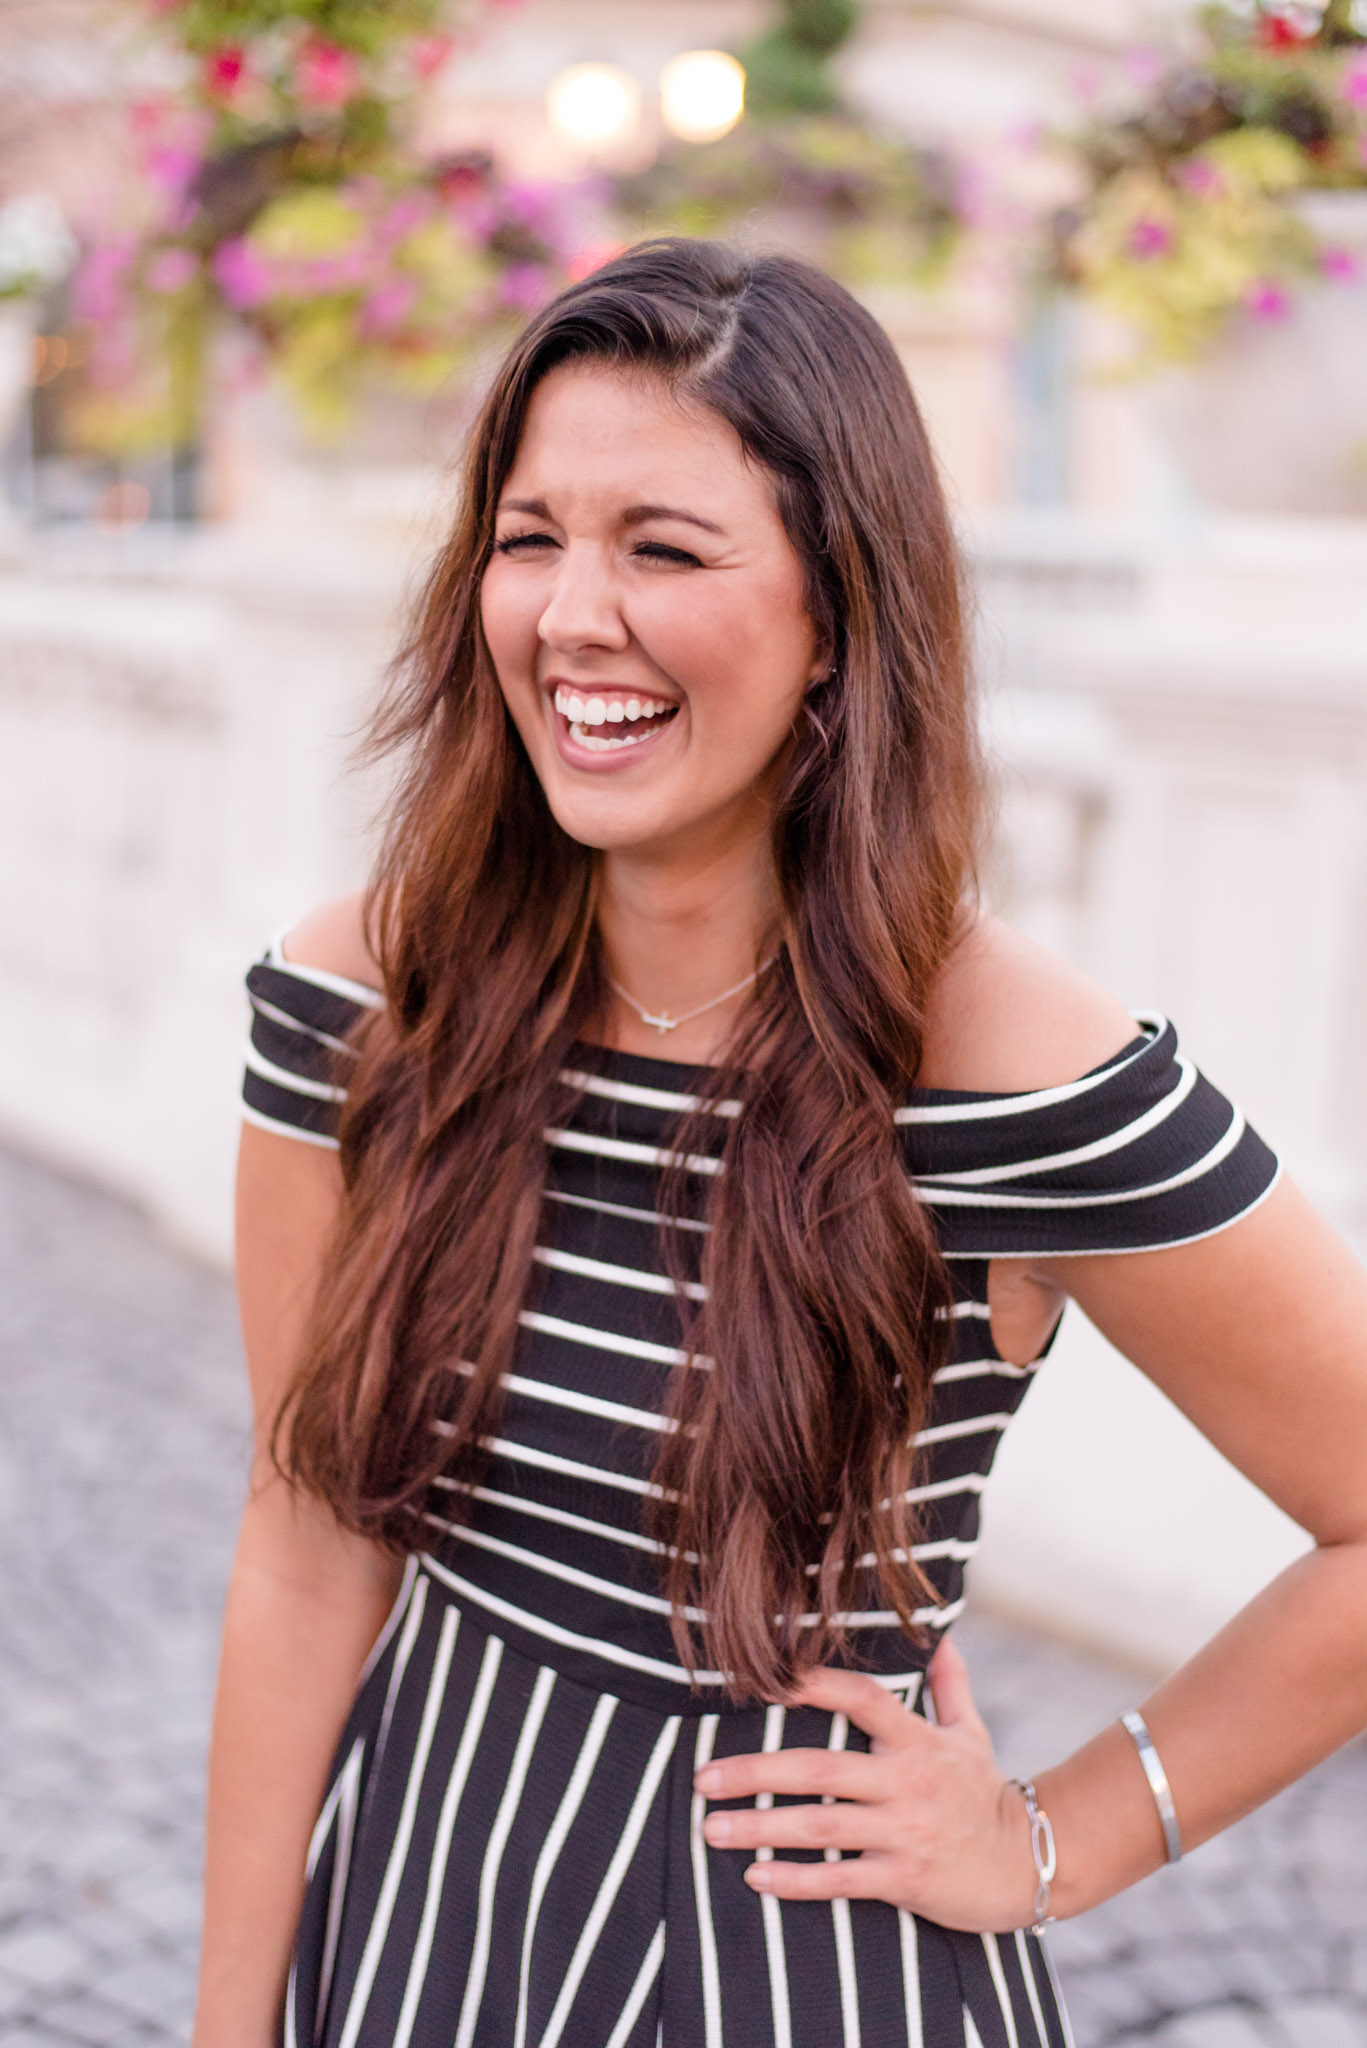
[[600, 743], [582, 714]]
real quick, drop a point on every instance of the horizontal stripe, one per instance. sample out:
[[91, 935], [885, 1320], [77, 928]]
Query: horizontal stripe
[[632, 1154], [1099, 1148], [571, 1468], [978, 1108], [664, 1099], [542, 1511], [973, 1425], [620, 1209], [288, 1023], [556, 1568], [608, 1340], [584, 1404], [982, 1368], [281, 1077], [616, 1276], [946, 1190], [338, 984], [283, 1130]]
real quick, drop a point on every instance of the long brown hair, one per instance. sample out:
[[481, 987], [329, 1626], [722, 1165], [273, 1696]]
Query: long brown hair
[[825, 1288]]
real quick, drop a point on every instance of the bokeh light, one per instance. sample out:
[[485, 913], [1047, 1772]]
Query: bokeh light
[[594, 105], [702, 95]]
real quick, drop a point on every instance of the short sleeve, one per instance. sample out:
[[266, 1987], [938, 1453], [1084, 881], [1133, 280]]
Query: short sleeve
[[1140, 1154], [298, 1051]]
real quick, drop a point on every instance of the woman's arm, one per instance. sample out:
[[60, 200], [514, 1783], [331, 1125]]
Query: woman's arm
[[1259, 1335], [305, 1603]]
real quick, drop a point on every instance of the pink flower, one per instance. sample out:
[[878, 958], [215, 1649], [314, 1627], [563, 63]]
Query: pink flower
[[326, 75], [1355, 82], [523, 285], [430, 53], [389, 307], [243, 278], [1200, 177], [1340, 264], [1149, 238], [1143, 68], [1267, 300], [223, 70], [97, 290], [171, 270], [172, 168]]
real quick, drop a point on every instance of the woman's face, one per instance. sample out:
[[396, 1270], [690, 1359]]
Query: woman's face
[[644, 609]]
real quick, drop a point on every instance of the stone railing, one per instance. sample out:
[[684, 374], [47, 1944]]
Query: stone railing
[[1181, 723]]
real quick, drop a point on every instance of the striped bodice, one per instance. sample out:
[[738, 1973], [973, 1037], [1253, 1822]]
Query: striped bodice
[[549, 1547]]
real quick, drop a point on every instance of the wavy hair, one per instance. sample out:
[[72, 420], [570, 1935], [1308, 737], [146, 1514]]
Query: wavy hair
[[825, 1289]]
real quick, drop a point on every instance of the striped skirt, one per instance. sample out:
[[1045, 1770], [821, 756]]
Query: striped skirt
[[506, 1859]]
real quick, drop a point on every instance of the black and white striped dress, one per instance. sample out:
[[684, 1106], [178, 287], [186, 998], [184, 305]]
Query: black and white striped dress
[[510, 1854]]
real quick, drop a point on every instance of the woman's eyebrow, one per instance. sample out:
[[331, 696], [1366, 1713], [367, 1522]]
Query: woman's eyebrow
[[635, 514]]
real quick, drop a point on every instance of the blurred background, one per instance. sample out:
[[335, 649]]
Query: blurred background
[[256, 260]]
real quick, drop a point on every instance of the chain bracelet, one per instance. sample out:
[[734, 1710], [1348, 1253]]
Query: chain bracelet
[[1043, 1852]]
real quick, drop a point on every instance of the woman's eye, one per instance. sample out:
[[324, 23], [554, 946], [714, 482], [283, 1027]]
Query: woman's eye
[[515, 543], [660, 551]]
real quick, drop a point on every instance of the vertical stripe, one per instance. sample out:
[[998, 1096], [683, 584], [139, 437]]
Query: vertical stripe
[[645, 1977], [994, 1964], [772, 1912], [707, 1933], [555, 1842], [840, 1916], [493, 1853], [391, 1620], [417, 1607], [612, 1882], [1042, 1950], [403, 1833], [348, 1798], [441, 1847], [1031, 1988], [911, 1975]]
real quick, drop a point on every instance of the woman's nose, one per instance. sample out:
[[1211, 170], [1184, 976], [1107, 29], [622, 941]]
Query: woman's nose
[[584, 609]]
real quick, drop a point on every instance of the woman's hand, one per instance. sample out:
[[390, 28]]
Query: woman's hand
[[940, 1831]]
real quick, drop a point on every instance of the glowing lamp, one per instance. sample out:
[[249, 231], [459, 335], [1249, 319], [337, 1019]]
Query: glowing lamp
[[594, 105], [702, 95]]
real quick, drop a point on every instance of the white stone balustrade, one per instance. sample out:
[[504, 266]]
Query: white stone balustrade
[[1181, 718]]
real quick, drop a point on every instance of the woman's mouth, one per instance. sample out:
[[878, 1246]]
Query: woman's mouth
[[608, 724]]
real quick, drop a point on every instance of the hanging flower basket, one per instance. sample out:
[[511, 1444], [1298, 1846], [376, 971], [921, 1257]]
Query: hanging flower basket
[[282, 193]]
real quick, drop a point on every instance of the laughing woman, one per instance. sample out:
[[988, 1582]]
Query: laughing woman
[[654, 1197]]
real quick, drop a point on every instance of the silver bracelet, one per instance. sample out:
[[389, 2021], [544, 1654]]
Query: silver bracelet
[[1042, 1849], [1134, 1723]]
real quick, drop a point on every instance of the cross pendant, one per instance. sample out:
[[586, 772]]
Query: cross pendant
[[662, 1023]]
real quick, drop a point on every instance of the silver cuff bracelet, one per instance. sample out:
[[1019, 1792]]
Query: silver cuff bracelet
[[1134, 1723]]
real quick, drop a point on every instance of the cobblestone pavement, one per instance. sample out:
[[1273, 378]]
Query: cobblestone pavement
[[122, 1452]]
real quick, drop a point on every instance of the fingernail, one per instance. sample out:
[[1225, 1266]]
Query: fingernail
[[708, 1779], [717, 1828], [758, 1878]]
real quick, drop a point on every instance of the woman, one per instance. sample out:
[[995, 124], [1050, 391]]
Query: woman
[[711, 1177]]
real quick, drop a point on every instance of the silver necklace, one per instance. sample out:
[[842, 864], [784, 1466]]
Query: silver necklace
[[664, 1022]]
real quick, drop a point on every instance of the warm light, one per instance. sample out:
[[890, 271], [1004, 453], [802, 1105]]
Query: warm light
[[593, 104], [702, 95]]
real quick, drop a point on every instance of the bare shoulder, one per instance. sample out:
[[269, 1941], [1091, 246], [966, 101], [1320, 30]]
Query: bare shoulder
[[333, 938], [1007, 1016]]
